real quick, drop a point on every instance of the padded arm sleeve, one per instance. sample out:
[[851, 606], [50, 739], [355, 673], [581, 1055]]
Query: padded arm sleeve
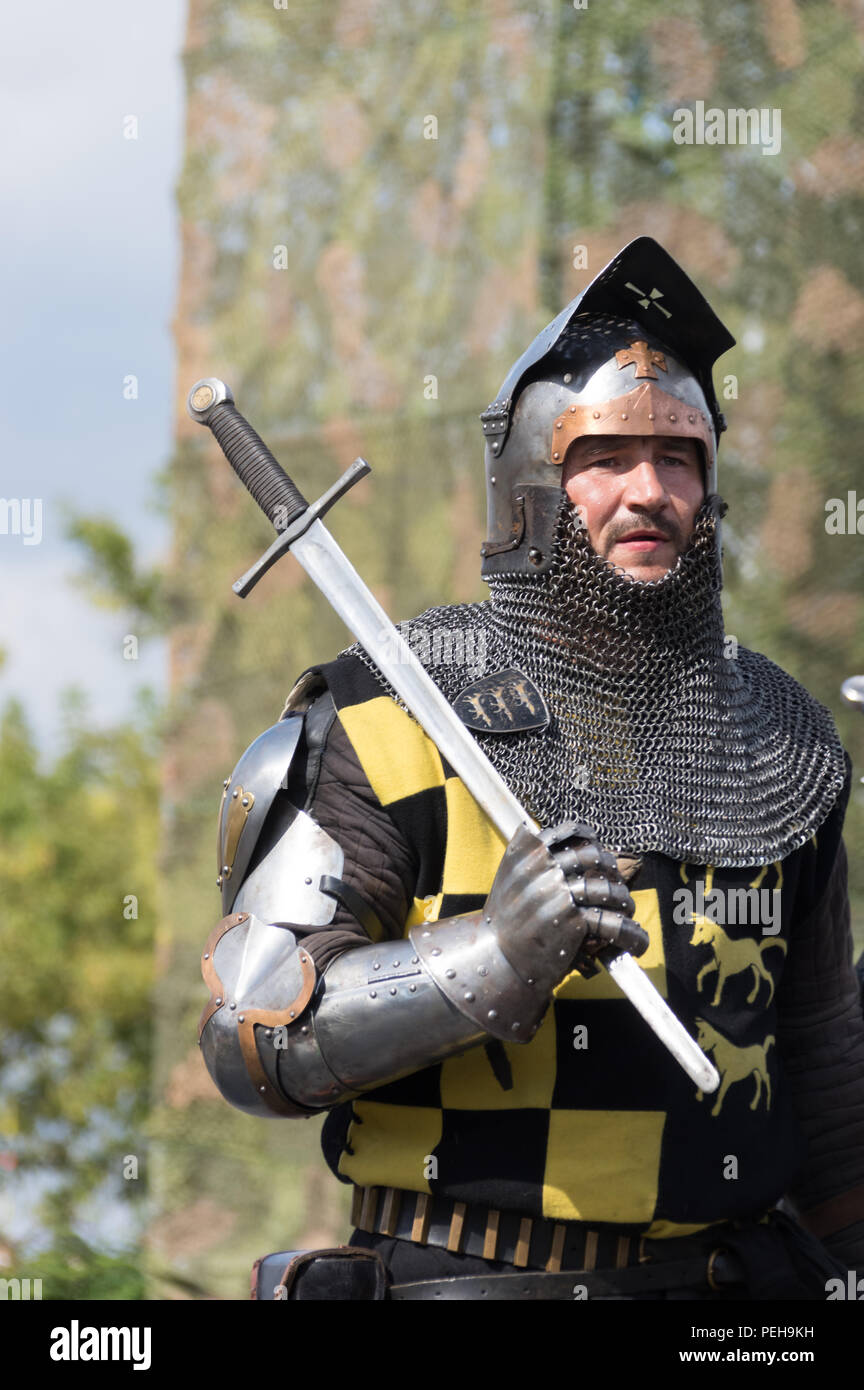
[[821, 1040]]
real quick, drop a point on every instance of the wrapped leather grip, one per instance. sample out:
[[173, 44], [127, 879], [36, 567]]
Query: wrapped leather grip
[[256, 467]]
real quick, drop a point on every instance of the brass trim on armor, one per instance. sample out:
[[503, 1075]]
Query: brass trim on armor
[[389, 1211], [265, 1089], [590, 1261], [422, 1217], [226, 784], [622, 1254], [356, 1207], [274, 1018], [709, 1273], [277, 1018], [303, 692], [490, 1237], [520, 1259], [238, 814], [647, 409], [208, 970], [553, 1264], [367, 1213], [457, 1224]]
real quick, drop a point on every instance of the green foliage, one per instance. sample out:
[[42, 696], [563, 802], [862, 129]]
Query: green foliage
[[111, 576], [73, 1271], [78, 852]]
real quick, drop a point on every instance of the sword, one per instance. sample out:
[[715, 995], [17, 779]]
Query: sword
[[300, 530]]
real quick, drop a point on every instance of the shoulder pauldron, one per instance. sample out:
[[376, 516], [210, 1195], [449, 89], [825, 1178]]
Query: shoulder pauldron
[[283, 879]]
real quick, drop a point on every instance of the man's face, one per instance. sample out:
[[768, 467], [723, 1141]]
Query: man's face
[[638, 497]]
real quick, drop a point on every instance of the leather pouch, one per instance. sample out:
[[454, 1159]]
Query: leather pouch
[[342, 1273]]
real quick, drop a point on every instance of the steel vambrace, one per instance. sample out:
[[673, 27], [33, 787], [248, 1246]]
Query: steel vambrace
[[291, 1041], [280, 1039]]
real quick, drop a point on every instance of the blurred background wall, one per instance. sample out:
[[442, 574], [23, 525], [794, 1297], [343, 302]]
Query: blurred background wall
[[379, 207]]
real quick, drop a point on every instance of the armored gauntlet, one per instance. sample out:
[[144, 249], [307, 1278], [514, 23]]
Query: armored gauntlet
[[554, 893], [541, 933]]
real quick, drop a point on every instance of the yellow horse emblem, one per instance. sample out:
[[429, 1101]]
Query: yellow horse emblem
[[735, 1064], [732, 956]]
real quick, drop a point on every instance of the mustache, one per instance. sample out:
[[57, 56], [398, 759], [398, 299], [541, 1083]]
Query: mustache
[[666, 528]]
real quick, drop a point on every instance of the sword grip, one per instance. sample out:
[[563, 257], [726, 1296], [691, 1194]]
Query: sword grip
[[277, 496], [210, 403]]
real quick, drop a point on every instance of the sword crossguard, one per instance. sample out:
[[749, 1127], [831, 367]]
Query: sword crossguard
[[300, 525]]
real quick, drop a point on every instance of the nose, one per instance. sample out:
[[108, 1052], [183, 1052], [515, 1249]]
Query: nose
[[644, 488]]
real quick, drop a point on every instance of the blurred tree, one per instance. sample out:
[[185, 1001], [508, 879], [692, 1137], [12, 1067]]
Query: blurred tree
[[78, 848], [112, 577]]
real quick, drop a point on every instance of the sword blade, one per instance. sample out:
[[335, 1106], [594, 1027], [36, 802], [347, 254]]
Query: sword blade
[[632, 979], [331, 570]]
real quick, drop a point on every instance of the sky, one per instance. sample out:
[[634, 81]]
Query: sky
[[91, 110]]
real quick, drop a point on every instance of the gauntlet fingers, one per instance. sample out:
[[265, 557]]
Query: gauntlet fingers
[[587, 858], [556, 835], [601, 892], [614, 929]]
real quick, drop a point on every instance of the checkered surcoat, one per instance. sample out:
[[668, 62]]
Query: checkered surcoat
[[600, 1124]]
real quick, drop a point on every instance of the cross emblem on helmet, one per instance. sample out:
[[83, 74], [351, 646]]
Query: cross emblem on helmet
[[643, 358], [647, 298]]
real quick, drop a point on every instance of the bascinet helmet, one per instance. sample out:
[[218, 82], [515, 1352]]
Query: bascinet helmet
[[632, 355]]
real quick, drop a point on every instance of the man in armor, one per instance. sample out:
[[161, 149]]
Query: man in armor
[[498, 1105]]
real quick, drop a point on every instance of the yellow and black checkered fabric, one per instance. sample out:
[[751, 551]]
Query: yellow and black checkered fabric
[[601, 1124]]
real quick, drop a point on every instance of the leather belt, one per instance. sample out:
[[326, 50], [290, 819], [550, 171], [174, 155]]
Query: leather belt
[[573, 1285], [532, 1243]]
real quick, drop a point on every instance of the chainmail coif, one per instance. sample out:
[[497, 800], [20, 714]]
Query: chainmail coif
[[664, 734]]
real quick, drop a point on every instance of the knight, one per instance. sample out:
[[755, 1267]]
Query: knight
[[498, 1106]]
